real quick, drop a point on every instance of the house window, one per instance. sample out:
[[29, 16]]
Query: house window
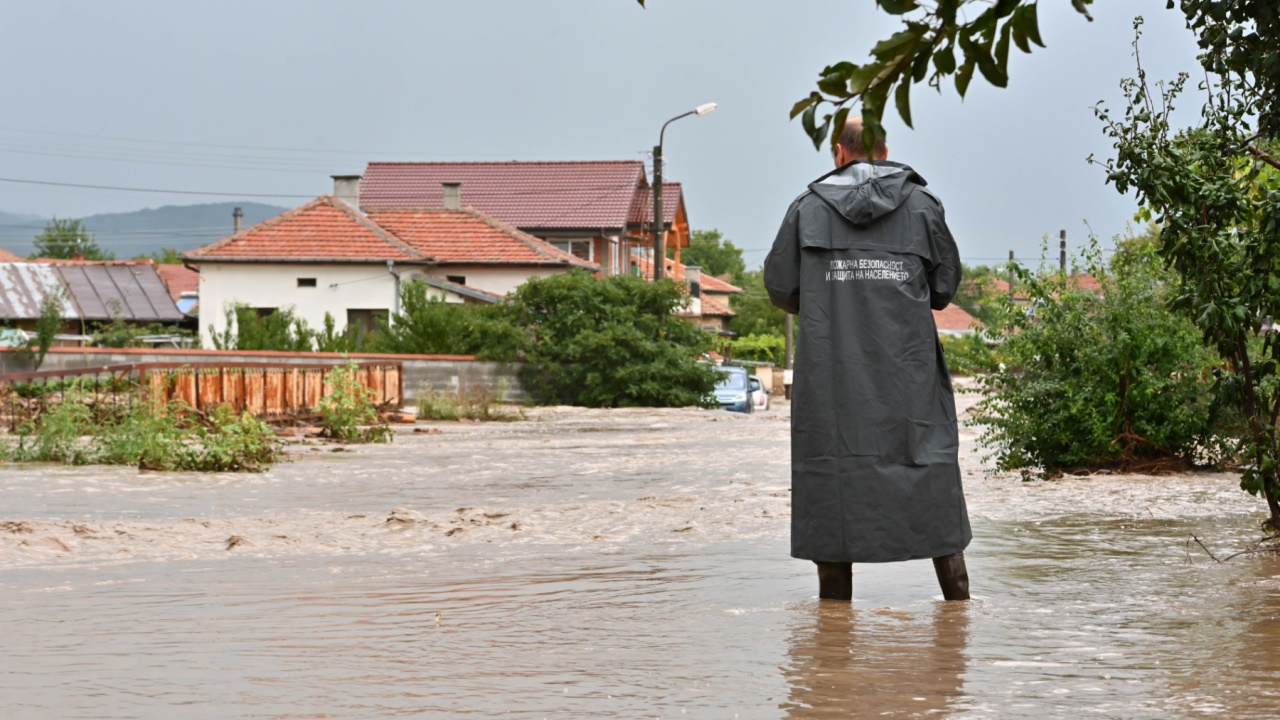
[[458, 279], [365, 322], [579, 248], [306, 282], [265, 312]]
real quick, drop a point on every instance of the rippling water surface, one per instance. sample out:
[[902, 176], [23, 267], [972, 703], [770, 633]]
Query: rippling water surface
[[591, 564]]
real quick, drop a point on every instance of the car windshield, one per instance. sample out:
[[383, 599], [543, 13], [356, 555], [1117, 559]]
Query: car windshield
[[735, 381]]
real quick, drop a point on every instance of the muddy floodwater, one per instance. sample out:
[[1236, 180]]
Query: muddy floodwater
[[612, 563]]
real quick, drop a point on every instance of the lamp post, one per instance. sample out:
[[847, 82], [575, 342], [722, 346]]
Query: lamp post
[[659, 251]]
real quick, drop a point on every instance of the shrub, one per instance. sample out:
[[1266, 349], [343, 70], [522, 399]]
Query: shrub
[[610, 343], [349, 412], [1097, 379], [247, 329], [762, 348], [431, 326], [969, 354], [128, 429]]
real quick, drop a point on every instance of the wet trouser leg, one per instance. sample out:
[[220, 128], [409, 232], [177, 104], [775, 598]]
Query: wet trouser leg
[[835, 580], [952, 576]]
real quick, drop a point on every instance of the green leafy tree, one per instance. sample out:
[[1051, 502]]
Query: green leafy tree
[[754, 313], [713, 254], [431, 326], [610, 342], [762, 348], [163, 256], [63, 239], [1214, 189]]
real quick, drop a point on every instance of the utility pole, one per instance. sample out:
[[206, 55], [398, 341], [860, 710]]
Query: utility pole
[[659, 234], [1062, 250], [1010, 273], [787, 349]]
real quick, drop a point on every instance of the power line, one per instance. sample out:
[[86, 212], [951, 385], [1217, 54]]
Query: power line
[[151, 190]]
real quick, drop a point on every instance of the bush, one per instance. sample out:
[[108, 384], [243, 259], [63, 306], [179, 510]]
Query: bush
[[349, 413], [246, 329], [431, 326], [1105, 379], [610, 343], [761, 348], [969, 354], [128, 429]]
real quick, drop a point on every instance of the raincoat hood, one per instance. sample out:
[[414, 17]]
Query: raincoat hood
[[863, 192]]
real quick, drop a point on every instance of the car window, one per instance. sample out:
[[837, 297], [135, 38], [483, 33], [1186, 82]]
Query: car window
[[734, 381]]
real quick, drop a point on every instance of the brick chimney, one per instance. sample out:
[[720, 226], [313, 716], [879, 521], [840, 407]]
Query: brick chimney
[[347, 189], [452, 195]]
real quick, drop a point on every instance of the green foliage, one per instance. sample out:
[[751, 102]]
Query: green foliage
[[431, 326], [977, 291], [63, 239], [762, 348], [476, 402], [349, 413], [81, 428], [610, 343], [949, 38], [246, 329], [163, 256], [969, 354], [48, 325], [707, 251], [1098, 379], [121, 334], [347, 341], [1215, 191], [954, 37], [755, 314]]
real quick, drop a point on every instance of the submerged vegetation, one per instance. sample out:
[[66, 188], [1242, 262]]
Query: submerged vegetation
[[129, 429]]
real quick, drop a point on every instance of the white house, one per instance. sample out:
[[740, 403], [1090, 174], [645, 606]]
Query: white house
[[326, 257]]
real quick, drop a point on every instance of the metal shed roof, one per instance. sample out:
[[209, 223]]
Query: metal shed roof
[[92, 291]]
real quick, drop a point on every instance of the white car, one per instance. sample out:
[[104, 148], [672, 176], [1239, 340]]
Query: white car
[[759, 396]]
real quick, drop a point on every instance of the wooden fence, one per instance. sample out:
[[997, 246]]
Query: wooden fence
[[270, 391]]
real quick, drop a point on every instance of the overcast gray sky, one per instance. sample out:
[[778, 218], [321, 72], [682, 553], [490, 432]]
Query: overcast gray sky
[[264, 97]]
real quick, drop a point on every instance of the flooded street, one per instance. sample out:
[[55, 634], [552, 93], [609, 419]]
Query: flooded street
[[612, 563]]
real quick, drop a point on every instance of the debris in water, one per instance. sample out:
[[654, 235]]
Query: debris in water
[[237, 541]]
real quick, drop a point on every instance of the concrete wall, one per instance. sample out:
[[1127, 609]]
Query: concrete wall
[[442, 372]]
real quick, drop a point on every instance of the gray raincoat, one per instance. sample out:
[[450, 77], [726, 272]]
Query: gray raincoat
[[862, 257]]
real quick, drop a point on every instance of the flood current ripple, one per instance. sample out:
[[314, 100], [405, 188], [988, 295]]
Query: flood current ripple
[[612, 563]]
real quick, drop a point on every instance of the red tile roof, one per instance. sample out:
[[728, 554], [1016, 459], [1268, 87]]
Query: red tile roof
[[710, 283], [712, 308], [642, 208], [593, 195], [178, 279], [469, 237], [954, 317], [324, 229], [6, 256]]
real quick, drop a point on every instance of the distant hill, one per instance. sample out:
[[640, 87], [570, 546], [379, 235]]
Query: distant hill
[[182, 227]]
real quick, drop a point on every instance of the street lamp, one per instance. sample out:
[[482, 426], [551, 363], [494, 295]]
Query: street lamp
[[659, 251]]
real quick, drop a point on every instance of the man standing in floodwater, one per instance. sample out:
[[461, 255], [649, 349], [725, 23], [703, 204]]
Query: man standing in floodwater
[[862, 257]]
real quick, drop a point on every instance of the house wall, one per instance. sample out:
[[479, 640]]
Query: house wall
[[275, 285], [499, 280]]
